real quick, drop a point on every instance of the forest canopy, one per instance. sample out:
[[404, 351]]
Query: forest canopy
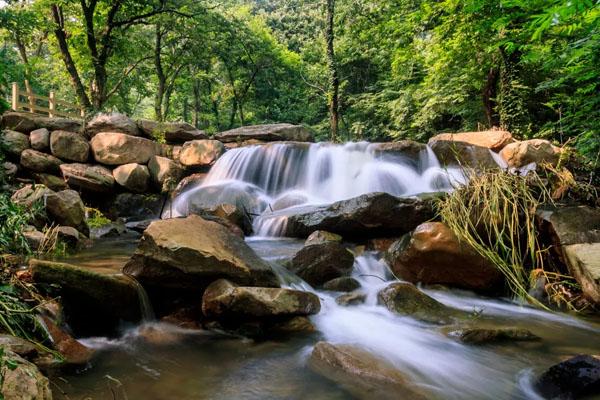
[[350, 69]]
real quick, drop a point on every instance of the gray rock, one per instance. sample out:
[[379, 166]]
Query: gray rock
[[91, 178], [365, 216], [351, 299], [165, 173], [173, 132], [342, 284], [575, 378], [267, 133], [27, 122], [113, 122], [14, 142]]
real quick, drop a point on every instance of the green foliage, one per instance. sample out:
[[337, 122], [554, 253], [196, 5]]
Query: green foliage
[[408, 69], [95, 218], [13, 220]]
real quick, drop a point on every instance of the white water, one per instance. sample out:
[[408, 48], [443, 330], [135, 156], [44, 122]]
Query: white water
[[441, 366], [273, 181]]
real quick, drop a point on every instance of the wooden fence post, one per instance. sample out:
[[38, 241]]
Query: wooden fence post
[[15, 96], [51, 104]]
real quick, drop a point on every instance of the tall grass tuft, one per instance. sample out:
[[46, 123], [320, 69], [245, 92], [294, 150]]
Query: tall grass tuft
[[495, 214]]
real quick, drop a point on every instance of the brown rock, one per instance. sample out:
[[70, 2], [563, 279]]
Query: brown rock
[[133, 177], [351, 299], [223, 300], [189, 253], [362, 374], [408, 149], [22, 380], [40, 139], [433, 255], [40, 162], [452, 153], [319, 263], [494, 140], [342, 284], [93, 178], [495, 335], [112, 148], [73, 351], [200, 153], [318, 237], [28, 195], [165, 173], [538, 151], [52, 182], [66, 208], [69, 146]]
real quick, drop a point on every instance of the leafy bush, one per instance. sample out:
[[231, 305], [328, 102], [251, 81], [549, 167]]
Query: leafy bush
[[95, 218]]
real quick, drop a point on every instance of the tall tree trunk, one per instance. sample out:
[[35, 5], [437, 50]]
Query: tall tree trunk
[[197, 104], [61, 38], [334, 82], [160, 75], [489, 97]]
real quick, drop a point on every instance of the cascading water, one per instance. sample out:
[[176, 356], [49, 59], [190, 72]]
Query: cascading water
[[276, 180]]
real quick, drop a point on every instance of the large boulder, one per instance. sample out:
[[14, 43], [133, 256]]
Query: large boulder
[[537, 151], [92, 178], [113, 122], [37, 161], [224, 300], [319, 263], [575, 378], [494, 140], [230, 213], [173, 132], [200, 153], [434, 255], [113, 148], [40, 139], [135, 206], [574, 232], [133, 177], [267, 133], [66, 208], [22, 380], [69, 146], [13, 142], [165, 173], [189, 253], [365, 216], [362, 374], [94, 303], [452, 153], [400, 150], [27, 122], [405, 299]]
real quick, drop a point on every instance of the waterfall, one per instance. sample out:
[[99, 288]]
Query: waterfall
[[273, 180], [146, 310]]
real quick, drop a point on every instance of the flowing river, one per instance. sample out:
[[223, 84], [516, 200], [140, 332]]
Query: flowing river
[[158, 361]]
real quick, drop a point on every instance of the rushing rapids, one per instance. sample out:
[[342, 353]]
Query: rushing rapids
[[276, 180]]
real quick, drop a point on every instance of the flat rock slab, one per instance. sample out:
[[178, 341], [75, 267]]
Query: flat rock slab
[[267, 133]]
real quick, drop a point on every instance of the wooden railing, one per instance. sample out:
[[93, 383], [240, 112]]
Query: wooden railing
[[47, 105]]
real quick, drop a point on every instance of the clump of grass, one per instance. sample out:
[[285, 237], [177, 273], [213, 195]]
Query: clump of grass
[[495, 214]]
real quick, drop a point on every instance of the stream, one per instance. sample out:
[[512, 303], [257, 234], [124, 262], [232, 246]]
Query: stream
[[159, 361]]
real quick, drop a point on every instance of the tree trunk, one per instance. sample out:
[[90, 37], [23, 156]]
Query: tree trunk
[[334, 82], [197, 104], [160, 75], [489, 97], [61, 38]]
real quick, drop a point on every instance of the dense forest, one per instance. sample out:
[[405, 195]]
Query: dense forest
[[350, 69]]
